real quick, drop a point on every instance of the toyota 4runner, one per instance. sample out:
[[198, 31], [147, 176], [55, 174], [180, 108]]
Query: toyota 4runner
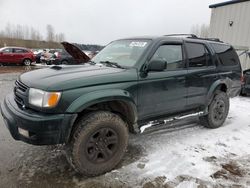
[[91, 108]]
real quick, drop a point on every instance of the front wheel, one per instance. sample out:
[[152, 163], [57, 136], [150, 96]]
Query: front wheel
[[27, 62], [98, 143], [217, 111]]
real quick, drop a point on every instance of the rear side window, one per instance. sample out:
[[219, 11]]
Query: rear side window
[[16, 50], [198, 55], [226, 54]]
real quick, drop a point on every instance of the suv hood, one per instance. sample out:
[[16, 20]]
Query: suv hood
[[59, 78], [75, 52]]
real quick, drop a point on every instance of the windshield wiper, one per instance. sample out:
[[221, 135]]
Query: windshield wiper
[[112, 64]]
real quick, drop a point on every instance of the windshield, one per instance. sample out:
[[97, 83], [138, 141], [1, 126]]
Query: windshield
[[123, 52]]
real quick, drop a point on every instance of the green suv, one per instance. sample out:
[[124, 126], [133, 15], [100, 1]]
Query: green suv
[[92, 107]]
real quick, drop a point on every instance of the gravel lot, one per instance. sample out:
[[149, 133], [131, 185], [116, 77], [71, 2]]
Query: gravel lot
[[183, 154]]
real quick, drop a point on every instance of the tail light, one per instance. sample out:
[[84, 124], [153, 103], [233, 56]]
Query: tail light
[[242, 79]]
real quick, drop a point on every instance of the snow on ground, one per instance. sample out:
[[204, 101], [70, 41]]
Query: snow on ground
[[189, 155]]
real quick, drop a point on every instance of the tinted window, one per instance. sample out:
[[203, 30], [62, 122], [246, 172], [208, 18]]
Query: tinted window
[[172, 54], [226, 54], [16, 50], [198, 55], [208, 58]]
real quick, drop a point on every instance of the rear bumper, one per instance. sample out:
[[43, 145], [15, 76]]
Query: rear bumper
[[245, 89], [43, 129]]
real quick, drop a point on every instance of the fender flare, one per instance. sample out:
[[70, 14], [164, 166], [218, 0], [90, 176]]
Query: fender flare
[[214, 87], [100, 96], [96, 97]]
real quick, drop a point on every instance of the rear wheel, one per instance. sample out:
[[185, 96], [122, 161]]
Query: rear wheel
[[27, 62], [217, 111], [65, 62], [98, 144]]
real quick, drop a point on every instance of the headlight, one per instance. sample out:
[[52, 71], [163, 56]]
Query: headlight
[[41, 98]]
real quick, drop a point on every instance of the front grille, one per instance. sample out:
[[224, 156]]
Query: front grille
[[21, 86], [21, 93], [19, 100]]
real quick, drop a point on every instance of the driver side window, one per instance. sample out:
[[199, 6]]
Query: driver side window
[[172, 54]]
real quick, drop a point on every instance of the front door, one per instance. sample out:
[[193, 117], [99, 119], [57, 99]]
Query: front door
[[7, 55], [164, 92]]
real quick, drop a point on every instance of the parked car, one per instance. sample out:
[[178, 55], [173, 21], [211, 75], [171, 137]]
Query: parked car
[[62, 56], [65, 58], [91, 108], [16, 55]]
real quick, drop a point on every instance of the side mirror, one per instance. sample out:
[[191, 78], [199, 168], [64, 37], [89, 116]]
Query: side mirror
[[157, 65]]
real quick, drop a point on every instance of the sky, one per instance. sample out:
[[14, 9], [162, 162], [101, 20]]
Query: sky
[[101, 21]]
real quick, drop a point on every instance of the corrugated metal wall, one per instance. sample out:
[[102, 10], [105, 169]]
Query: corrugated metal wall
[[238, 34]]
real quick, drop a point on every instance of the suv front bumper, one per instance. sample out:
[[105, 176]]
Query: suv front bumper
[[42, 128]]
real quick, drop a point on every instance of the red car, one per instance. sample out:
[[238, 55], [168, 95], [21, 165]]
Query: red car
[[16, 55]]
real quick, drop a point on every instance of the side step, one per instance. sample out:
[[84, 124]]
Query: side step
[[163, 122]]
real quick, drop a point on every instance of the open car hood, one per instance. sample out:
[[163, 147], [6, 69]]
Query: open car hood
[[75, 52]]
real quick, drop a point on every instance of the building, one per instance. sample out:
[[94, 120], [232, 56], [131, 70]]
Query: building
[[230, 22]]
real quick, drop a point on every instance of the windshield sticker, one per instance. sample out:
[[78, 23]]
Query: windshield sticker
[[138, 44]]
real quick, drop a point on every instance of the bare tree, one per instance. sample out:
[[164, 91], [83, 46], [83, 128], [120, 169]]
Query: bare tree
[[8, 31], [59, 37], [26, 32], [50, 33], [18, 32], [35, 34], [200, 30]]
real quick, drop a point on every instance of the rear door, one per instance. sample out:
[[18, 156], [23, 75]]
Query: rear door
[[201, 75], [162, 93], [19, 54]]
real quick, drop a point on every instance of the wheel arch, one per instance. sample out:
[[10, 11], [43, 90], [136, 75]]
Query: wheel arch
[[221, 85], [116, 101]]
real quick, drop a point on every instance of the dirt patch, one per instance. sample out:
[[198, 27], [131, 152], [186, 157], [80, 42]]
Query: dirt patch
[[228, 171], [233, 169], [157, 183]]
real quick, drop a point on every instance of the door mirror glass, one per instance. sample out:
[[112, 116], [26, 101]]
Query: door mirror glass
[[157, 65]]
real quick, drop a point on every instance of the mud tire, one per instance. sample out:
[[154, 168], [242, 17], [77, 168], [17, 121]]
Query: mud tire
[[217, 111], [95, 133]]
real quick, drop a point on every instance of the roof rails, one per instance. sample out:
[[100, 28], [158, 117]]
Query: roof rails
[[182, 35], [211, 39], [193, 36]]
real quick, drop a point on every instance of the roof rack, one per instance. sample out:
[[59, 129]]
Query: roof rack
[[211, 39], [193, 36], [182, 35]]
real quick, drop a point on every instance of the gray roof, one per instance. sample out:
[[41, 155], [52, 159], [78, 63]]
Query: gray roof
[[226, 3]]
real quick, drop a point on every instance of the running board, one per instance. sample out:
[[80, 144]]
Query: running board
[[172, 119]]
